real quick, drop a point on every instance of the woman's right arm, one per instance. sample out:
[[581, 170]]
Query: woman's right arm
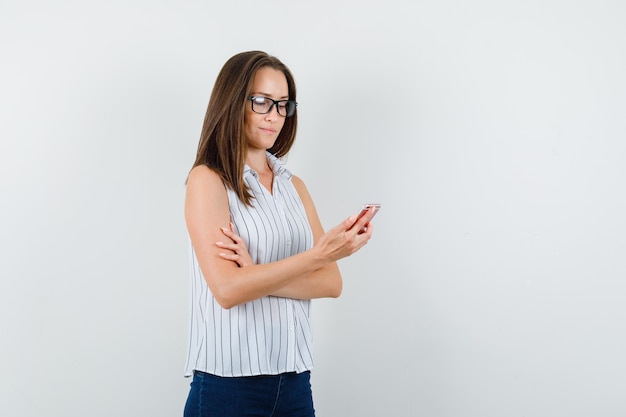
[[206, 212]]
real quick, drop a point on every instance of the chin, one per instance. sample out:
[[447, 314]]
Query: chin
[[268, 144], [262, 145]]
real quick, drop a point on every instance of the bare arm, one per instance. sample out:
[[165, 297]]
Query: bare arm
[[206, 212]]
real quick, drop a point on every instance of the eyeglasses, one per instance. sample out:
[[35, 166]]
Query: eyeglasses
[[263, 105]]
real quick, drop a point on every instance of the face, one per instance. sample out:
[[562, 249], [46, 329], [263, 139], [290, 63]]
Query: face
[[261, 130]]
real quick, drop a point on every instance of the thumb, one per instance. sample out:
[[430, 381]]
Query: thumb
[[349, 222]]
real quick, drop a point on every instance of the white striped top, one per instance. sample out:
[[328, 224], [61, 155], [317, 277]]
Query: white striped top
[[270, 335]]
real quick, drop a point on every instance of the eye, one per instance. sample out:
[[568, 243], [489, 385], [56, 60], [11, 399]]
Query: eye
[[287, 107], [261, 104]]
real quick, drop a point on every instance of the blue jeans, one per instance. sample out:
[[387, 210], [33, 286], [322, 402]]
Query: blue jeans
[[284, 395]]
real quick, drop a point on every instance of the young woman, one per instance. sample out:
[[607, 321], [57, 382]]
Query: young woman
[[259, 253]]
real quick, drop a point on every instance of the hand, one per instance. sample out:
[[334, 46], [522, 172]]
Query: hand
[[238, 248], [346, 238]]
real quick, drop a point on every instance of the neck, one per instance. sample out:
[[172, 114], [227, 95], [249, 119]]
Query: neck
[[258, 162]]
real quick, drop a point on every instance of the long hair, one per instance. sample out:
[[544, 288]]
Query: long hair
[[223, 144]]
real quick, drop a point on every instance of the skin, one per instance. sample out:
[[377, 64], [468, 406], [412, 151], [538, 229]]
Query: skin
[[222, 255]]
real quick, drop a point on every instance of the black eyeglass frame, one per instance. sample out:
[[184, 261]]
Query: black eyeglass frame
[[274, 103]]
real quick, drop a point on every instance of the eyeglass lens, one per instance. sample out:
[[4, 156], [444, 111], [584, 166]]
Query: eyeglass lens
[[263, 105]]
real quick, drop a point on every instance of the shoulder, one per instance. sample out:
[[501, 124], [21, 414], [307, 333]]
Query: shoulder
[[298, 184], [204, 183], [202, 173], [204, 178], [309, 206], [297, 181], [206, 198]]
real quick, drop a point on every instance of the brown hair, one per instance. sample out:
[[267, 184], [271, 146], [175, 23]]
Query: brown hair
[[223, 144]]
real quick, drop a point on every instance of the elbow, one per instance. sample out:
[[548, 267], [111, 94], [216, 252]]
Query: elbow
[[336, 290], [225, 298], [336, 283], [333, 286], [224, 303]]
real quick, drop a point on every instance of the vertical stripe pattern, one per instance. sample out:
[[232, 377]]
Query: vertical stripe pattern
[[270, 335]]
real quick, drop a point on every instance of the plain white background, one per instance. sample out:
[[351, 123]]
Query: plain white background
[[493, 132]]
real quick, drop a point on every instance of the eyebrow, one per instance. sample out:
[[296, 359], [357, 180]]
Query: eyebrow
[[259, 93]]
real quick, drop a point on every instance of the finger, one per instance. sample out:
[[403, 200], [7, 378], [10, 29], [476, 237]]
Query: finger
[[360, 220], [358, 226], [367, 231], [225, 231], [232, 235], [367, 226], [229, 256], [229, 246], [352, 219], [346, 224], [233, 258], [231, 231], [369, 215]]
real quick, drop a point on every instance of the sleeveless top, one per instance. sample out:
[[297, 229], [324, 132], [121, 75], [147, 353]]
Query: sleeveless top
[[270, 335]]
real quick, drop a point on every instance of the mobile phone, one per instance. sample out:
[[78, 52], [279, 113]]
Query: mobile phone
[[366, 207]]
